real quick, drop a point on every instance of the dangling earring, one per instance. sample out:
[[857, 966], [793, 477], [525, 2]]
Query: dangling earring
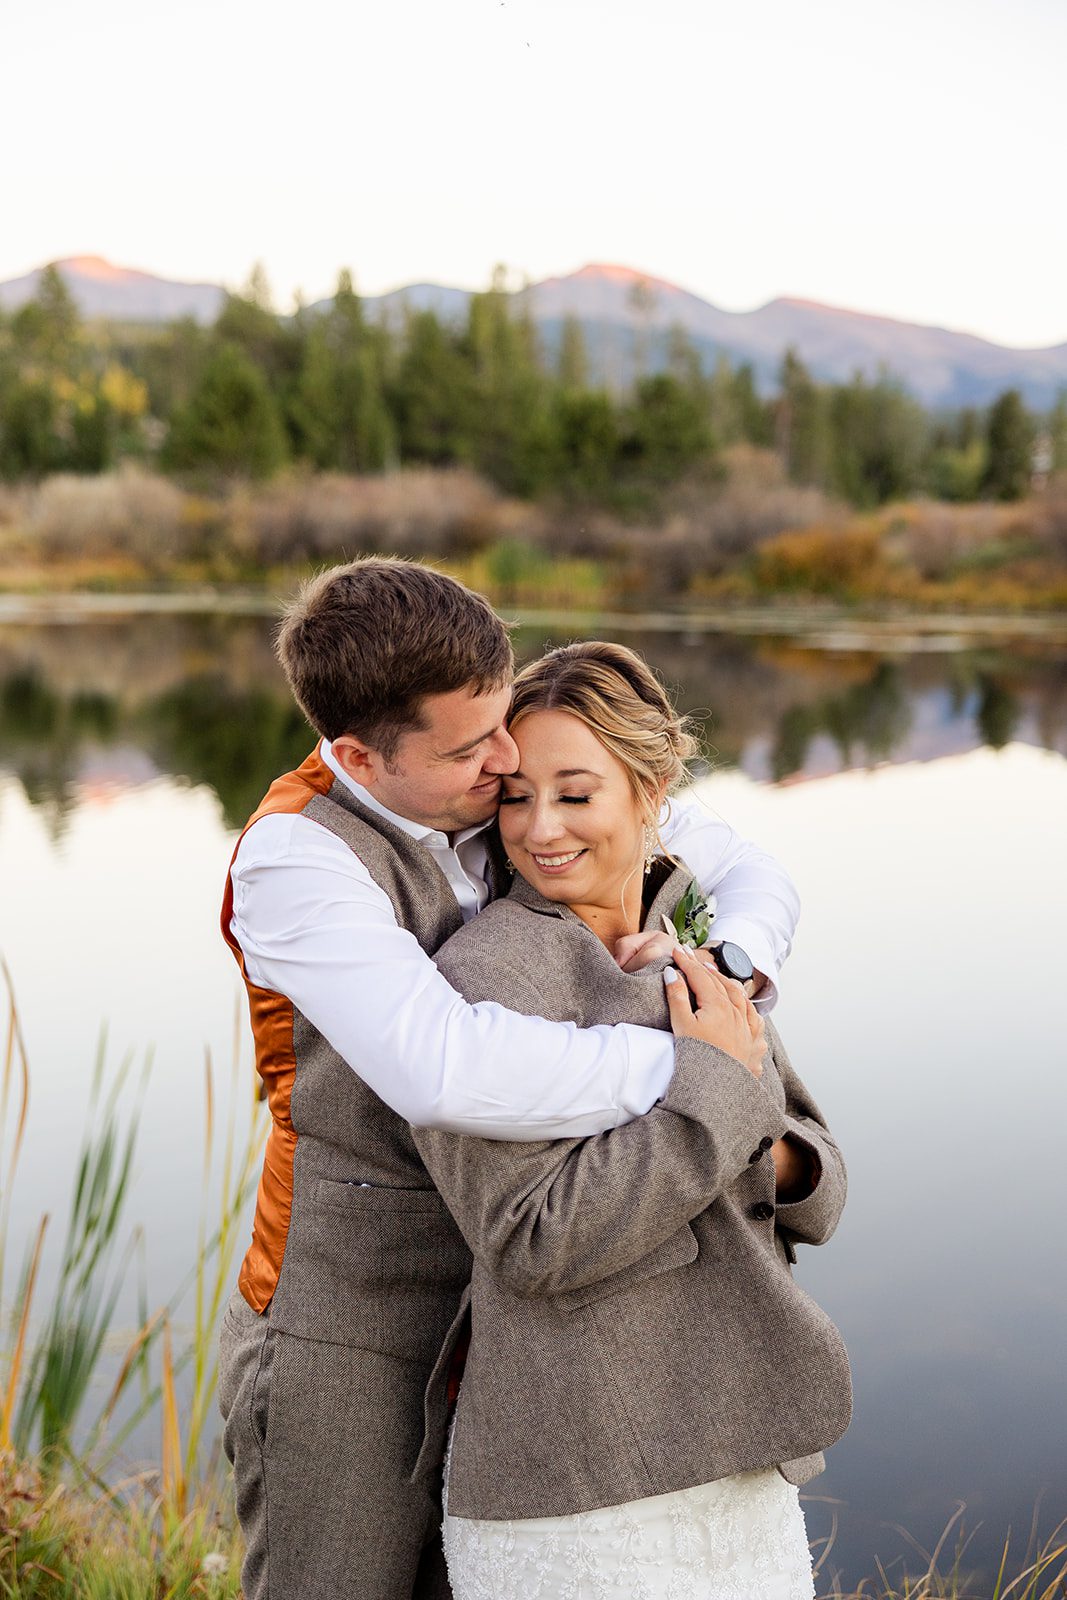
[[650, 849], [509, 863]]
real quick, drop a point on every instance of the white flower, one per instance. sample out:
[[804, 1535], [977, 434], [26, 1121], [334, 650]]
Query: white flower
[[214, 1564]]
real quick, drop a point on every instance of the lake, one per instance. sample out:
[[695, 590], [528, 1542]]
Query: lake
[[915, 785]]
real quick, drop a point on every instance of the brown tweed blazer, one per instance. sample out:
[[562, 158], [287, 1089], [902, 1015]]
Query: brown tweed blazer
[[636, 1327]]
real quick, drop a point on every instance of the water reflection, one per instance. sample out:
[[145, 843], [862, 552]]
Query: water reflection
[[202, 698]]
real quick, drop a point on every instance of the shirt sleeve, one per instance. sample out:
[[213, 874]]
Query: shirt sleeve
[[314, 926], [758, 905]]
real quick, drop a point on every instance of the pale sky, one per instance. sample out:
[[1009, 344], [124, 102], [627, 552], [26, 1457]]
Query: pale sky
[[907, 160]]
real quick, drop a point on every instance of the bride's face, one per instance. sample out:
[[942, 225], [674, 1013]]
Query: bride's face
[[568, 816]]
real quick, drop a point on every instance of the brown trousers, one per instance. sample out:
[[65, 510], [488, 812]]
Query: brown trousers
[[323, 1438]]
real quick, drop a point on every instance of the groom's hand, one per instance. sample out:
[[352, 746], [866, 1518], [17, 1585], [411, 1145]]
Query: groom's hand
[[635, 950]]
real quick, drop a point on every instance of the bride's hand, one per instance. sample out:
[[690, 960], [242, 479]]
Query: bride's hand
[[720, 1012], [635, 950]]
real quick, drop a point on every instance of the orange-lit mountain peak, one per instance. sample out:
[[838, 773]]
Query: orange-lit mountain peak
[[96, 267], [607, 271]]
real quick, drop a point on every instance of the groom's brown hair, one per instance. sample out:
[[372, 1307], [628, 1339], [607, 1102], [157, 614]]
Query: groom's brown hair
[[363, 645]]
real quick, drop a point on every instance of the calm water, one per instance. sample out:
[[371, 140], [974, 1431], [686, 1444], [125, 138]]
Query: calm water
[[919, 799]]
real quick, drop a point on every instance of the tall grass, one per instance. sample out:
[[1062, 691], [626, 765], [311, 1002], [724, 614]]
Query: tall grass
[[66, 1355], [1042, 1574], [64, 1527], [16, 1071]]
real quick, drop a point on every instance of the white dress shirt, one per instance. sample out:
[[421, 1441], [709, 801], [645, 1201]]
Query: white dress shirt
[[314, 926]]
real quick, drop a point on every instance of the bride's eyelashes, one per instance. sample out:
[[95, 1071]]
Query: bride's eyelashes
[[564, 799]]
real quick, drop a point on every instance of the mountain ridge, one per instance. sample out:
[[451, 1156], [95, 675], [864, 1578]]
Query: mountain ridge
[[628, 317]]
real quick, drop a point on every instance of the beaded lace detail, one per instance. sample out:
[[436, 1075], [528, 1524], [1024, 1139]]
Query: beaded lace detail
[[739, 1538]]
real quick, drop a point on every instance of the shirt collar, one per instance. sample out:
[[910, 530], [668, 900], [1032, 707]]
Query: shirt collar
[[415, 830]]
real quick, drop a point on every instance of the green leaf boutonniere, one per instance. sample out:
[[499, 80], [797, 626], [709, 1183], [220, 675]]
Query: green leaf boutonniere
[[693, 917]]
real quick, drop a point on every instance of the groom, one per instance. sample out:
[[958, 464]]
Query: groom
[[353, 870]]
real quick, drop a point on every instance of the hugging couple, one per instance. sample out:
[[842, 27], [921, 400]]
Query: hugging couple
[[535, 1175]]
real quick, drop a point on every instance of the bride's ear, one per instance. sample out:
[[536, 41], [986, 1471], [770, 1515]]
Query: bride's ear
[[658, 795]]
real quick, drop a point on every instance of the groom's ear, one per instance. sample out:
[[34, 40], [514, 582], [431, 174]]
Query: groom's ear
[[358, 759]]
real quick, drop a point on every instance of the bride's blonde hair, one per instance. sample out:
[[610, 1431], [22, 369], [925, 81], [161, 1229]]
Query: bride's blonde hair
[[623, 703]]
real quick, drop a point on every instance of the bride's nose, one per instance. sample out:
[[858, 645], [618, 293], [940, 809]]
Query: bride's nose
[[544, 825]]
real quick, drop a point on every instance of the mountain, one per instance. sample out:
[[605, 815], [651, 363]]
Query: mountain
[[119, 293], [621, 310], [628, 318]]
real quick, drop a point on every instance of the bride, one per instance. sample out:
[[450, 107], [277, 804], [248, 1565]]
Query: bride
[[646, 1384]]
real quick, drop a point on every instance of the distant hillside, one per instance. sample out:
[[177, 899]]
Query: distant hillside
[[940, 367], [627, 319], [120, 294]]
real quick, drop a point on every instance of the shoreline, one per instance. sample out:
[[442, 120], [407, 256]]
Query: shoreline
[[828, 627]]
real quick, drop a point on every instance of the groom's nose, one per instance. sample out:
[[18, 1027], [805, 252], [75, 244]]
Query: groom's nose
[[503, 756]]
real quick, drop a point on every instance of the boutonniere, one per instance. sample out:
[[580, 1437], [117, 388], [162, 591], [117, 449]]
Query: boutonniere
[[693, 917]]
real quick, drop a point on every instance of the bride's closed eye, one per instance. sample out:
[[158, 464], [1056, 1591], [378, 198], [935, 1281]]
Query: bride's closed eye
[[564, 799]]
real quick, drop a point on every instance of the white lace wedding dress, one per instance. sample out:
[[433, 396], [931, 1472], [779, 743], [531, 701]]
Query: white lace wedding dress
[[740, 1538]]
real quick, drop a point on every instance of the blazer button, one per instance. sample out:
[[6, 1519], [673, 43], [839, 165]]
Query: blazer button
[[755, 1156], [766, 1142], [763, 1211]]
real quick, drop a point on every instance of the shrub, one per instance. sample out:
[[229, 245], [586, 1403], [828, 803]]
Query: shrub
[[411, 513], [128, 512], [823, 561], [1050, 519]]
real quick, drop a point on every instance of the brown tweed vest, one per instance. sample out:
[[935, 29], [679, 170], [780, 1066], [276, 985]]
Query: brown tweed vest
[[352, 1244]]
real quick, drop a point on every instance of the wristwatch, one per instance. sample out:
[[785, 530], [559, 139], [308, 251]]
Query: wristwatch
[[732, 961]]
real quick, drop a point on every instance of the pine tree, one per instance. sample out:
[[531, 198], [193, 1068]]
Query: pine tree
[[510, 391], [1009, 436], [433, 395], [878, 441], [1057, 432], [231, 423], [29, 440], [573, 367], [667, 430], [47, 329], [583, 443], [802, 432], [755, 416]]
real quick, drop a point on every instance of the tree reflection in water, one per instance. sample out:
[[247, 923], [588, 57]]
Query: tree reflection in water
[[872, 718], [236, 741], [203, 700]]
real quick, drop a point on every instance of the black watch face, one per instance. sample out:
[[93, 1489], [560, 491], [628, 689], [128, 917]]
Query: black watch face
[[734, 962]]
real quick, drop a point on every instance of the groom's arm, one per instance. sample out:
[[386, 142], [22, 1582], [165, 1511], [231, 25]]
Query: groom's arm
[[757, 903], [312, 925]]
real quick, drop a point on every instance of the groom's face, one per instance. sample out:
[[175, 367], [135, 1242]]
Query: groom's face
[[447, 773]]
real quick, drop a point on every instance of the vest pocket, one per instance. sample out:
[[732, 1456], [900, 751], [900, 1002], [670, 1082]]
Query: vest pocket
[[377, 1268]]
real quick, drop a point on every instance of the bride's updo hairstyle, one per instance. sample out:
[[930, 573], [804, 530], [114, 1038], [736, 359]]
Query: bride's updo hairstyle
[[622, 702]]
